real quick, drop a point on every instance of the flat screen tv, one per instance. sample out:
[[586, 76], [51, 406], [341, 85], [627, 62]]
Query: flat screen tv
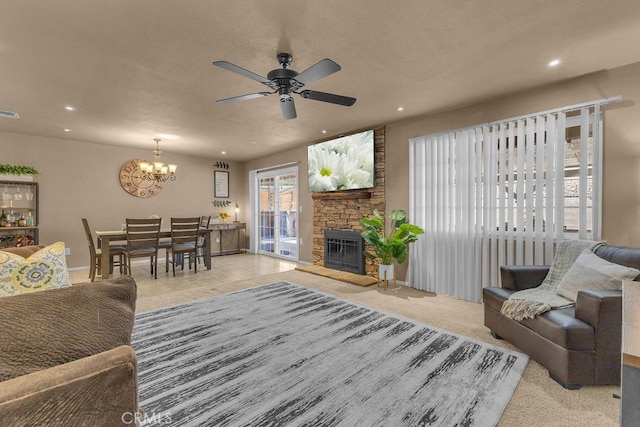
[[344, 163]]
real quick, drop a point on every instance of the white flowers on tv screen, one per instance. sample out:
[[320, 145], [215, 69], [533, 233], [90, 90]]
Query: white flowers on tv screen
[[345, 163]]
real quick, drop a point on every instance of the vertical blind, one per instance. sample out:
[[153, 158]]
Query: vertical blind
[[502, 193]]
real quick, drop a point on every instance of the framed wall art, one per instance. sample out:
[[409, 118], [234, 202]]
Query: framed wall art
[[221, 181]]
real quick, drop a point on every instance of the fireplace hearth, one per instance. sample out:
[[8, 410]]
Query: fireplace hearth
[[344, 251]]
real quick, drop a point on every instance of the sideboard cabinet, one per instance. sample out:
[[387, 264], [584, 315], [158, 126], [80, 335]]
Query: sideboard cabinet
[[227, 239]]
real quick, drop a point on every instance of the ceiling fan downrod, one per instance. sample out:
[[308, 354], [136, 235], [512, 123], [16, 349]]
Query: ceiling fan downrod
[[285, 59]]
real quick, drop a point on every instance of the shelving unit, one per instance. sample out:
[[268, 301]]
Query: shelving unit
[[25, 202]]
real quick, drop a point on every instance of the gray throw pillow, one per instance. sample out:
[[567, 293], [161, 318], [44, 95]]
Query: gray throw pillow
[[590, 272]]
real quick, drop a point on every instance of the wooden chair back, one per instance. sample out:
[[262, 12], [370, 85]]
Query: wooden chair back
[[205, 221], [184, 231], [143, 233], [87, 232]]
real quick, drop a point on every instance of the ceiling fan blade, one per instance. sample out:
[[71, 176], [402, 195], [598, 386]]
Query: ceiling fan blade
[[328, 97], [288, 109], [239, 70], [318, 71], [242, 97]]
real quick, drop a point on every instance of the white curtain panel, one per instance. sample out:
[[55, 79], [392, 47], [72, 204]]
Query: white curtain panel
[[502, 193]]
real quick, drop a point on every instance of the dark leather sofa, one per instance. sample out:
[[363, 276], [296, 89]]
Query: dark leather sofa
[[578, 345]]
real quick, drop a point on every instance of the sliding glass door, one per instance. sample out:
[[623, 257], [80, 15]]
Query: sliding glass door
[[278, 212]]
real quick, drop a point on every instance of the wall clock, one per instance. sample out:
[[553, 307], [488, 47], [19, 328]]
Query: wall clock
[[133, 182]]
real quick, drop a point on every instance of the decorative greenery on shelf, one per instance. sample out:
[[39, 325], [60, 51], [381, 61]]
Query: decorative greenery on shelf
[[6, 169], [392, 245]]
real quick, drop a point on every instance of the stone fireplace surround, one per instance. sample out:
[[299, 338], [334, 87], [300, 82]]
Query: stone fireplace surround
[[342, 210]]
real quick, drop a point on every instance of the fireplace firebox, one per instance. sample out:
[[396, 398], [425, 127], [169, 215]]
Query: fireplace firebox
[[344, 250]]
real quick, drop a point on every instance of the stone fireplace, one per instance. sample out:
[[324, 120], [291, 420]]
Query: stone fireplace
[[342, 210]]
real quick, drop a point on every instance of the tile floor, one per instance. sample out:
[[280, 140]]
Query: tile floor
[[224, 269]]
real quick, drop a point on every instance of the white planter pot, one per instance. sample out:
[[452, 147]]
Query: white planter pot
[[386, 272], [21, 178]]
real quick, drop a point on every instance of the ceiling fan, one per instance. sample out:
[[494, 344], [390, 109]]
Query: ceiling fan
[[285, 82]]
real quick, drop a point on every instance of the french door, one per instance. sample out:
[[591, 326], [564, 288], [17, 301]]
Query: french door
[[278, 212]]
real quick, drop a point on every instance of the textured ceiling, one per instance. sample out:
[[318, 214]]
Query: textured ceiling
[[134, 69]]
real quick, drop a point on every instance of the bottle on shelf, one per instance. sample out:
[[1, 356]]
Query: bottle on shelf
[[22, 221], [3, 219], [11, 218], [29, 219]]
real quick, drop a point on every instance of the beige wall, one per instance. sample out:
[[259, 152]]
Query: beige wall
[[79, 179]]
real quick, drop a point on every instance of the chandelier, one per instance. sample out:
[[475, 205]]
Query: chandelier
[[158, 171]]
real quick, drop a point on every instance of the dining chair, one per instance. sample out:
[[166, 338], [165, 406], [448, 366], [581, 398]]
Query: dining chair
[[95, 263], [204, 223], [142, 242], [184, 236]]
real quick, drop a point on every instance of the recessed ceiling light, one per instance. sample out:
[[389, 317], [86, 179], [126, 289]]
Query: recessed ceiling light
[[553, 63], [254, 142], [324, 131], [167, 136], [400, 109], [223, 152], [66, 130], [69, 108]]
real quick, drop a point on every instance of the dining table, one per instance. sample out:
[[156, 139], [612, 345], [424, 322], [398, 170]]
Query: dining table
[[107, 237]]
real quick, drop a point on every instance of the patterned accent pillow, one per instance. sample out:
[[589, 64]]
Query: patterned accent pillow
[[590, 272], [45, 269]]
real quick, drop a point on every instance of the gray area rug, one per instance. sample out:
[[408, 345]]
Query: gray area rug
[[283, 354]]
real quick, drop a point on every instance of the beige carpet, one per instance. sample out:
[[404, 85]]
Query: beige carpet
[[537, 401], [343, 276]]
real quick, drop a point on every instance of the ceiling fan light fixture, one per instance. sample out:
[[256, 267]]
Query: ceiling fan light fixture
[[285, 81]]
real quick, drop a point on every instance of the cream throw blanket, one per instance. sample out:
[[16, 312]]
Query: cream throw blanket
[[528, 303]]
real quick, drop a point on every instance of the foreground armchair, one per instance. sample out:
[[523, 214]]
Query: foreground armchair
[[579, 345], [92, 391], [65, 357]]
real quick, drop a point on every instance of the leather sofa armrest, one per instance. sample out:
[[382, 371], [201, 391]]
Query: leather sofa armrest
[[600, 308], [519, 277], [97, 390]]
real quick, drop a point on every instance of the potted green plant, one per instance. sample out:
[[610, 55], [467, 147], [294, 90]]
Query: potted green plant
[[389, 245], [17, 172]]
